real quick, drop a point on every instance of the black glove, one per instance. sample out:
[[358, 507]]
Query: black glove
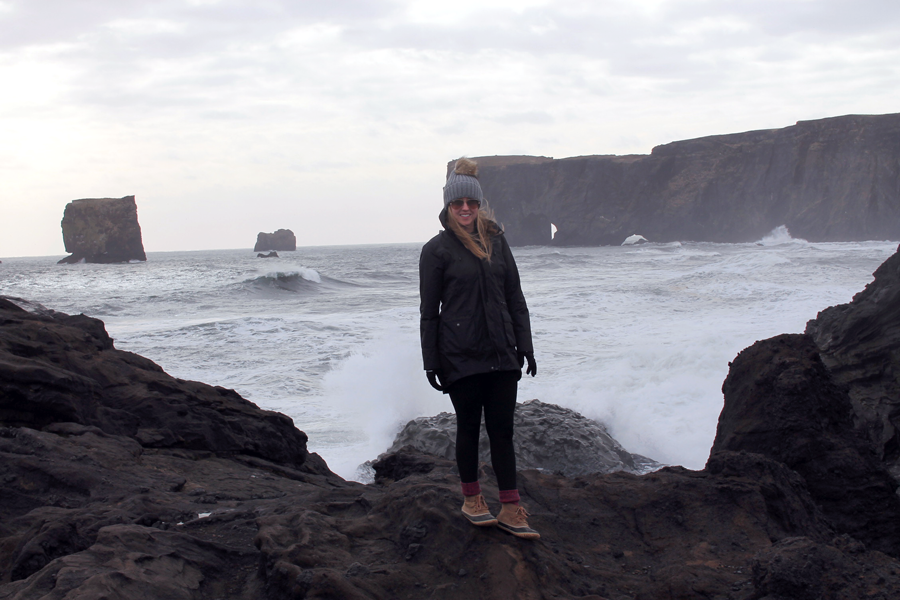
[[532, 365], [434, 379]]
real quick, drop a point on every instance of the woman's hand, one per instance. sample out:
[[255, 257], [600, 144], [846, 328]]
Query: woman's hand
[[532, 364], [434, 379]]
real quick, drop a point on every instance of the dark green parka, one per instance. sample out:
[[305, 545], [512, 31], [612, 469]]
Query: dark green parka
[[473, 316]]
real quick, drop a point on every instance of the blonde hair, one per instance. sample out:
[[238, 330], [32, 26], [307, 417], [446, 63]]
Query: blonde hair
[[485, 228]]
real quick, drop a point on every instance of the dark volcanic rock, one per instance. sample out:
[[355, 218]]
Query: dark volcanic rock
[[548, 437], [102, 230], [135, 562], [859, 344], [64, 488], [826, 180], [271, 254], [135, 529], [61, 368], [800, 569], [283, 239], [670, 534], [781, 402], [92, 438]]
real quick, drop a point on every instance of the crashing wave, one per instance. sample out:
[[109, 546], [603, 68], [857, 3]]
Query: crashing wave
[[304, 273], [633, 240], [779, 235], [295, 281]]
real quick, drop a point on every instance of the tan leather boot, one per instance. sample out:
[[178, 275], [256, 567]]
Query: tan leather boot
[[513, 519], [476, 510]]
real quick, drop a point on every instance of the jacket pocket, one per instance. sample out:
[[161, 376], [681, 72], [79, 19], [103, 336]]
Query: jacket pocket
[[458, 336]]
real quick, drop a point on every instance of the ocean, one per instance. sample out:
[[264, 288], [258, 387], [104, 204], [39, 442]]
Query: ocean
[[638, 337]]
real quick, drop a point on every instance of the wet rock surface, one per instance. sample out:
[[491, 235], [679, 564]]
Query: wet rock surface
[[102, 230], [827, 180], [103, 498], [548, 437]]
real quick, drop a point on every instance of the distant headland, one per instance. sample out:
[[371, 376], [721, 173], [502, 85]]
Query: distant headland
[[835, 179]]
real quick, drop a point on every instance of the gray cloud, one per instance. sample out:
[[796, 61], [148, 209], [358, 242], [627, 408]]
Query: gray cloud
[[277, 91], [123, 47]]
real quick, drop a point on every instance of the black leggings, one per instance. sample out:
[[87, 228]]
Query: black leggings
[[495, 394]]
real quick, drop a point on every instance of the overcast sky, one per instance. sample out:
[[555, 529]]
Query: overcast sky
[[336, 118]]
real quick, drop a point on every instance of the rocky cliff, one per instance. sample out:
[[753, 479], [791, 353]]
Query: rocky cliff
[[834, 179], [283, 239], [781, 402], [119, 481], [102, 230], [859, 344]]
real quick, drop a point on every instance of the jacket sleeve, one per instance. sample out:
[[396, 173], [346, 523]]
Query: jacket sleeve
[[515, 301], [431, 281]]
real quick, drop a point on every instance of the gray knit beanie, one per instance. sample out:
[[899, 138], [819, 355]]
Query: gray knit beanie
[[463, 182]]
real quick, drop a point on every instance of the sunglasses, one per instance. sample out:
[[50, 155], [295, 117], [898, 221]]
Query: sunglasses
[[458, 204]]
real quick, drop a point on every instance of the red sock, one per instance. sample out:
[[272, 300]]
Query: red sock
[[471, 489], [509, 496]]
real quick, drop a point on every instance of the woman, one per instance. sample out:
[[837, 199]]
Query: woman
[[476, 336]]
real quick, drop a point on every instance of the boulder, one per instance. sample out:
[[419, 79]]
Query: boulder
[[283, 239], [102, 230], [826, 180], [548, 437]]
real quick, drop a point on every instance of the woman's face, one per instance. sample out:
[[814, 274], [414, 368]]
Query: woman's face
[[465, 211]]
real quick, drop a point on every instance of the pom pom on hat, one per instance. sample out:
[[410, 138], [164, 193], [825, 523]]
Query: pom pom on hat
[[466, 166], [463, 182]]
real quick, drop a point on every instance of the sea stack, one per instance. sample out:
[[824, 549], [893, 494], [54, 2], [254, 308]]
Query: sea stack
[[283, 239], [102, 230]]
